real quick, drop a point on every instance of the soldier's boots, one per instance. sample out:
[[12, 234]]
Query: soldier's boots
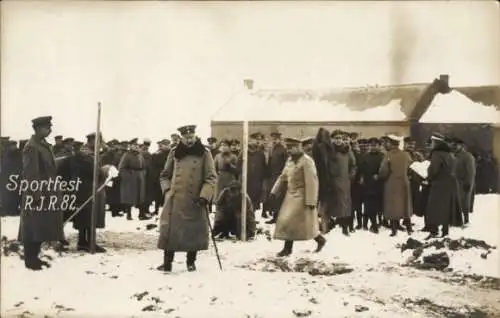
[[168, 258], [31, 259], [466, 218], [287, 249], [394, 227], [190, 261], [321, 241], [84, 242]]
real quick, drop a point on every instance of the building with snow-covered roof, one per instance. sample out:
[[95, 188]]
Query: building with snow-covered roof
[[370, 111]]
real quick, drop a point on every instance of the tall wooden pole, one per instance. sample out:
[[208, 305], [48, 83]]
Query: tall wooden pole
[[244, 174], [97, 148]]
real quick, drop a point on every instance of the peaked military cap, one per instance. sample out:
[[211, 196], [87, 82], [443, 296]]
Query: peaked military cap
[[4, 139], [353, 135], [68, 140], [175, 135], [188, 129], [92, 136], [276, 134], [78, 143], [146, 141], [293, 141], [211, 139], [374, 141], [58, 137], [113, 142], [42, 121], [307, 141], [133, 141]]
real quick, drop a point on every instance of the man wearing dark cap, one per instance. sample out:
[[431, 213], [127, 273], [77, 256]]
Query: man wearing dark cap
[[443, 202], [236, 147], [144, 213], [466, 174], [159, 159], [226, 166], [372, 185], [188, 182], [397, 194], [298, 216], [39, 222], [277, 160], [58, 145], [212, 144], [256, 170], [84, 166], [132, 168]]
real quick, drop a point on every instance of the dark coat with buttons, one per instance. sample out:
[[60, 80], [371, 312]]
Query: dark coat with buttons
[[189, 174], [132, 169]]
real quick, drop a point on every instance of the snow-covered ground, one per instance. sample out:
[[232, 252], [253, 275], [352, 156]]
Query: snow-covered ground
[[362, 276]]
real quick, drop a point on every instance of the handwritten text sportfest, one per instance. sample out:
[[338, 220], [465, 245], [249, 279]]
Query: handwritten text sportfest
[[48, 195]]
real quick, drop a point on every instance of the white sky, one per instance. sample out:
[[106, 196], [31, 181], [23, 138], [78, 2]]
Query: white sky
[[156, 66]]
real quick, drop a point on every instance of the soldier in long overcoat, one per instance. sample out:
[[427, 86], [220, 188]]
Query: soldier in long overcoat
[[466, 175], [276, 163], [323, 156], [397, 193], [84, 170], [188, 182], [342, 172], [159, 159], [443, 203], [39, 221], [372, 185], [226, 166], [132, 179], [150, 180], [257, 170], [298, 215], [356, 188]]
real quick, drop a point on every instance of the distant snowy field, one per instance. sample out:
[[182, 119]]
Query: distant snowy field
[[254, 283]]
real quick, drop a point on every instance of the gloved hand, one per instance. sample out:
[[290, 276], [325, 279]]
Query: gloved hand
[[201, 201]]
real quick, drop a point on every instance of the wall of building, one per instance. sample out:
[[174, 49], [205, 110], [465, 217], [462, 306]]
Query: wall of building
[[232, 130]]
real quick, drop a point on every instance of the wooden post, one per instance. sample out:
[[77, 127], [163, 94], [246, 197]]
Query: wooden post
[[244, 174], [97, 148]]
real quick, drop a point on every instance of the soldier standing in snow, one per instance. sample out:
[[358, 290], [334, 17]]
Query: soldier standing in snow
[[257, 168], [466, 174], [132, 180], [443, 204], [159, 159], [276, 163], [397, 193], [298, 216], [226, 167], [149, 180], [35, 226], [84, 170], [372, 186], [188, 183]]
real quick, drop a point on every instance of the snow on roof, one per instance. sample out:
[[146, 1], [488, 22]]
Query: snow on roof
[[361, 104], [456, 107]]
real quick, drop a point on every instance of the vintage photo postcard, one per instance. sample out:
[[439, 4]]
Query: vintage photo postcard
[[250, 159]]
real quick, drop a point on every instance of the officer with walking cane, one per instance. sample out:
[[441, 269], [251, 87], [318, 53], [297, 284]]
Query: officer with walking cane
[[188, 183]]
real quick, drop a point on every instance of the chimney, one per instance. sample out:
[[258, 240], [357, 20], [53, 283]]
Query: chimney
[[444, 83], [248, 83]]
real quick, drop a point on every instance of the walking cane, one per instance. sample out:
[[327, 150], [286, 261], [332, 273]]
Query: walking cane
[[213, 239]]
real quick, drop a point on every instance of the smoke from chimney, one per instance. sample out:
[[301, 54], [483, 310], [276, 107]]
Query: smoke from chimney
[[403, 43], [248, 83]]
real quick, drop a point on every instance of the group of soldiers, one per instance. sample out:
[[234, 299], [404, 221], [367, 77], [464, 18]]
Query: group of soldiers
[[306, 187]]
